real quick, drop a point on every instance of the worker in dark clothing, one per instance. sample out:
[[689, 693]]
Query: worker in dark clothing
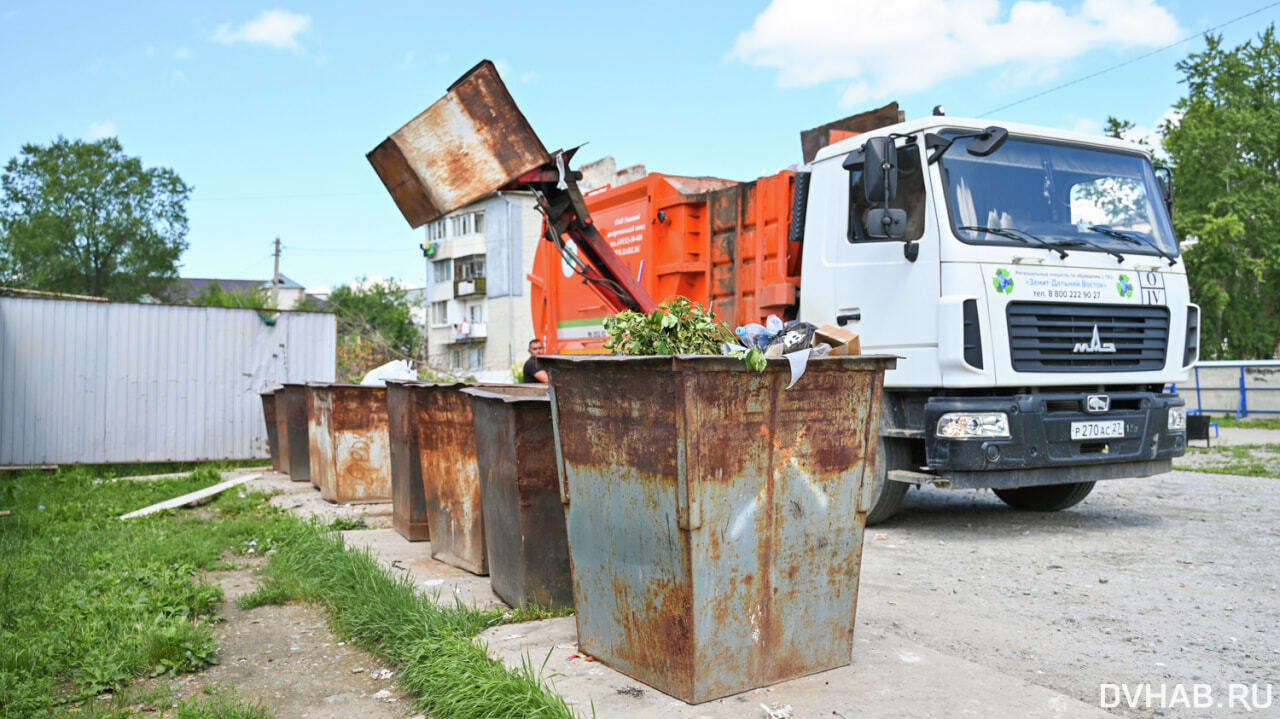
[[531, 372]]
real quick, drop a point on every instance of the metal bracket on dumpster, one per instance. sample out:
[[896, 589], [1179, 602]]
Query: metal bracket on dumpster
[[688, 504], [562, 204], [555, 434]]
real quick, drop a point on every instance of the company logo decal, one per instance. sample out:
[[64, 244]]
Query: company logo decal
[[1002, 281], [1096, 345], [1124, 287]]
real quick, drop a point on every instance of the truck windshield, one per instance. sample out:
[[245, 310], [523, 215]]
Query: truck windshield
[[1067, 195]]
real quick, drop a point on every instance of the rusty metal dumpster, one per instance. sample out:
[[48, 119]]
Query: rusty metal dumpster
[[269, 414], [715, 519], [450, 479], [524, 528], [291, 431], [408, 502], [350, 444]]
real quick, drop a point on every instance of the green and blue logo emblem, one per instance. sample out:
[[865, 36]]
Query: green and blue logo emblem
[[1124, 287], [1003, 281]]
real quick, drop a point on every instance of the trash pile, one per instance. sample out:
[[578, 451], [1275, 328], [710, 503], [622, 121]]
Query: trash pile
[[795, 341]]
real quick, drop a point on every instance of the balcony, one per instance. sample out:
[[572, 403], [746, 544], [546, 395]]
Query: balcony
[[466, 288], [465, 331]]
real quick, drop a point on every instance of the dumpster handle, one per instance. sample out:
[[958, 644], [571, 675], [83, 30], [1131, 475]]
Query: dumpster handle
[[688, 505], [561, 480]]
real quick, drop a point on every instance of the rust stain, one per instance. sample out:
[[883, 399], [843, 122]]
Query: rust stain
[[450, 478], [350, 438]]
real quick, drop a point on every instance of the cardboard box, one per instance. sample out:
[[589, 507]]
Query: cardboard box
[[842, 341]]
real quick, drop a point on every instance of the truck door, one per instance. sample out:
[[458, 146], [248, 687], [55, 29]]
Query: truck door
[[875, 290]]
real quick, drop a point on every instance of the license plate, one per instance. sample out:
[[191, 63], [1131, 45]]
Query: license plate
[[1102, 429]]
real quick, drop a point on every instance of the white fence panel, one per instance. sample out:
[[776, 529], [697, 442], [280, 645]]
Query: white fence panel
[[92, 382]]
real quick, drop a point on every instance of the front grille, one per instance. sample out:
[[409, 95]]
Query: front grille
[[1043, 337]]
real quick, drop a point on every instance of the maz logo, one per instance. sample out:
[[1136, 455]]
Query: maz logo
[[1096, 345]]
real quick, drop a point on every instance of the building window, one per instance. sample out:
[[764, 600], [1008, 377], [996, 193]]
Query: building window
[[475, 313], [456, 356], [475, 358], [440, 312], [467, 224], [436, 230], [469, 268], [442, 270]]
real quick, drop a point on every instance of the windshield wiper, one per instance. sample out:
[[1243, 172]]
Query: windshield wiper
[[1020, 235], [1134, 239]]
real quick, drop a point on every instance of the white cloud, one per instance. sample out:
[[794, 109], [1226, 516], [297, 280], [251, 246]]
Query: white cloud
[[881, 49], [100, 130], [274, 28], [1087, 125], [529, 76], [181, 53], [406, 62]]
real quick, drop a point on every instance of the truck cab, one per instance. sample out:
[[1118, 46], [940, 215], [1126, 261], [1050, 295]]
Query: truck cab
[[1031, 282]]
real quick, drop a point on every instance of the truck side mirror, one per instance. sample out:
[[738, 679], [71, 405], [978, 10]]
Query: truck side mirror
[[990, 140], [880, 170], [1164, 178]]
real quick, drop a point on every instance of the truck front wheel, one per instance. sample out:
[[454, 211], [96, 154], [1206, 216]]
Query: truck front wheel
[[887, 496], [1046, 498]]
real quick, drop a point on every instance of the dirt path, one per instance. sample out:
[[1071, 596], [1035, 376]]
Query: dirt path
[[287, 659]]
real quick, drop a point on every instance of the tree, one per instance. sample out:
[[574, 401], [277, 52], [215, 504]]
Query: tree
[[1226, 151], [375, 326], [84, 217], [213, 295]]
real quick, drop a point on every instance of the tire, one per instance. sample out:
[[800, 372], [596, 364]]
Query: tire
[[887, 496], [1046, 498]]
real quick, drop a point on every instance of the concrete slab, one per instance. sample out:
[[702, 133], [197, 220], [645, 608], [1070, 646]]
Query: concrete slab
[[431, 577], [890, 677]]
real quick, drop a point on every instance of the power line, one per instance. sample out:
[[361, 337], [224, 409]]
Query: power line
[[1131, 60]]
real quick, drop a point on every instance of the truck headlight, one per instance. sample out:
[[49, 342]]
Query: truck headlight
[[962, 425], [1177, 419]]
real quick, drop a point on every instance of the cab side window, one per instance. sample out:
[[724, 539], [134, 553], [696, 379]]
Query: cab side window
[[910, 197]]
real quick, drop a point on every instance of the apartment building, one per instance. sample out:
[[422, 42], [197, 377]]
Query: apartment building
[[479, 322]]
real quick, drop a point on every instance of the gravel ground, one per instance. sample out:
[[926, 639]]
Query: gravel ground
[[1173, 580]]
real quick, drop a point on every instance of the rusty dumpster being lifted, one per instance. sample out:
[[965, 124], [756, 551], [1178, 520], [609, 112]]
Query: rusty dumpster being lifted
[[408, 502], [291, 431], [524, 527], [269, 414], [715, 519], [350, 445]]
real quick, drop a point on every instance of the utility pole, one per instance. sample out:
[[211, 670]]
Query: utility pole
[[275, 278]]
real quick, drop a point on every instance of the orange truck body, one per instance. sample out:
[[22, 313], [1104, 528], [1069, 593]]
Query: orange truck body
[[721, 243]]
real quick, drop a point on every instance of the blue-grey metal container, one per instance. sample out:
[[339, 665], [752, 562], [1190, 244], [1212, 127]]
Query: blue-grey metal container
[[524, 529], [715, 518]]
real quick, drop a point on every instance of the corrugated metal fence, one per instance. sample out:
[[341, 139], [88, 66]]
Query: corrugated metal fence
[[89, 382]]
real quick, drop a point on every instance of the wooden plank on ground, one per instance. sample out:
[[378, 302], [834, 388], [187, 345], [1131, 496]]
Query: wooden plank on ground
[[191, 498]]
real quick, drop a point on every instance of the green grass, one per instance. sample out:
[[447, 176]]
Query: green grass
[[219, 702], [431, 644], [1230, 421], [1246, 460], [91, 602]]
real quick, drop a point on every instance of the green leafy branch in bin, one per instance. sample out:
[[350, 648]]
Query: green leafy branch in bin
[[679, 326]]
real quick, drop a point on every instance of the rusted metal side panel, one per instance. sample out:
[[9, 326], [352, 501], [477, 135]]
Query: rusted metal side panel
[[777, 476], [632, 573], [269, 415], [350, 443], [408, 503], [295, 433], [320, 438], [450, 479], [714, 519], [282, 430], [524, 524], [470, 142]]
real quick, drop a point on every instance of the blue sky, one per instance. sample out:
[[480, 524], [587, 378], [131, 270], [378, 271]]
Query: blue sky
[[268, 109]]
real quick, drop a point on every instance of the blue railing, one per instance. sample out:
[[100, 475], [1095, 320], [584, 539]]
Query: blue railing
[[1241, 388]]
